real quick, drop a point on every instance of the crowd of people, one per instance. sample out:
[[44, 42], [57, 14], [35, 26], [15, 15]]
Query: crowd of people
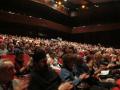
[[55, 64]]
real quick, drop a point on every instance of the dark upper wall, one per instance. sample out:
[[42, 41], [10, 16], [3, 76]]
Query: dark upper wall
[[96, 28], [106, 38], [31, 31], [105, 13]]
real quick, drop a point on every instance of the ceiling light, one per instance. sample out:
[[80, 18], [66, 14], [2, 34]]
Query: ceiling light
[[30, 16], [65, 0], [83, 6], [59, 3], [83, 26], [96, 5], [98, 24]]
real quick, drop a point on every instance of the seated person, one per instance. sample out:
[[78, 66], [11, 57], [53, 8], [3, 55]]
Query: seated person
[[42, 77], [67, 74], [20, 64], [7, 72], [3, 49]]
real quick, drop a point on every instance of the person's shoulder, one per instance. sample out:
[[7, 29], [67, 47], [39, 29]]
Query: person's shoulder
[[63, 70], [53, 75], [52, 72]]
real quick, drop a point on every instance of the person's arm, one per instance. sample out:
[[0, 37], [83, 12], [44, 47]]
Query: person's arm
[[66, 86], [25, 67], [66, 75]]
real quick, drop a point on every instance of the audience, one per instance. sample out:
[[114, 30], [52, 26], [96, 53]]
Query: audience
[[74, 62]]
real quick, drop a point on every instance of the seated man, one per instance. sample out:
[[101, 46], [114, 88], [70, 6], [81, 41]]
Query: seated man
[[42, 77], [7, 72]]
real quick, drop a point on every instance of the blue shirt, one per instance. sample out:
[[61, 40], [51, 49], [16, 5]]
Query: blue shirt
[[67, 75]]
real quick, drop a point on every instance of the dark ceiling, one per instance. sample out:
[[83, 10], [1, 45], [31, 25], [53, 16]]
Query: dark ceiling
[[96, 11], [99, 13], [92, 1], [102, 1]]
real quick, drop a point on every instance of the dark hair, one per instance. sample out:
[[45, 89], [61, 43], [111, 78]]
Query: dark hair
[[18, 51], [68, 58], [38, 55]]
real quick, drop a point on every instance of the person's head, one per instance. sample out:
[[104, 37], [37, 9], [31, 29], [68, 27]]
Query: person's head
[[68, 60], [90, 61], [39, 59], [2, 46], [7, 71], [98, 56], [113, 58], [11, 45], [19, 54]]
